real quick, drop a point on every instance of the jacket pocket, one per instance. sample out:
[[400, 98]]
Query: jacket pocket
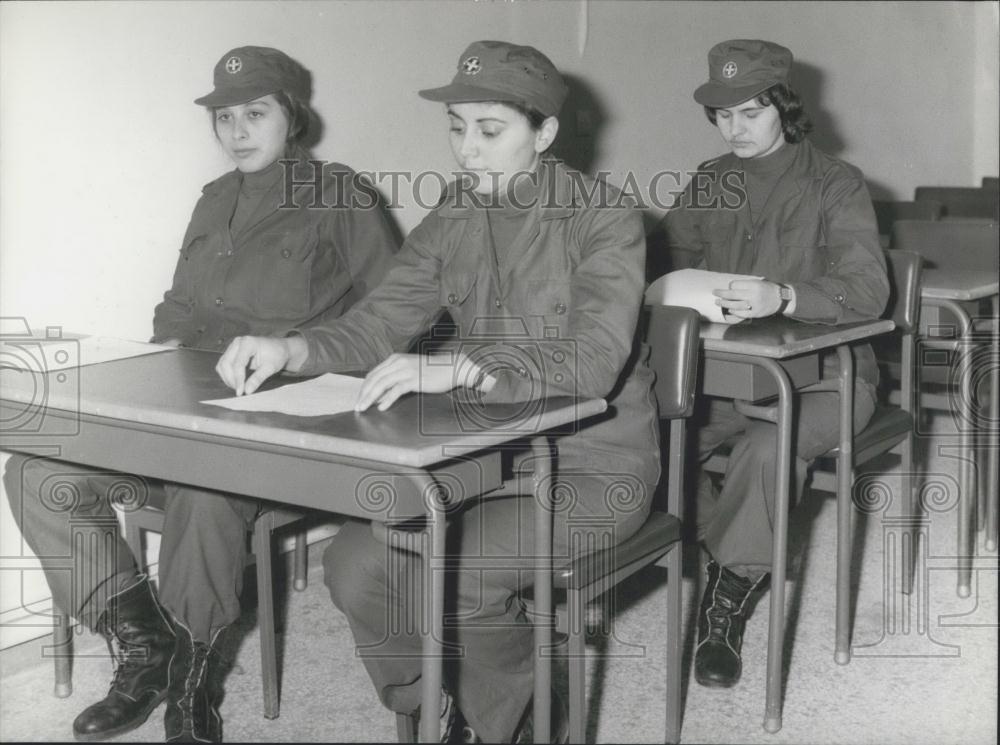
[[455, 290], [197, 256], [284, 271], [548, 304]]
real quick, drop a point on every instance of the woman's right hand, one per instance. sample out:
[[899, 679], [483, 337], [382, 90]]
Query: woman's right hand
[[263, 355]]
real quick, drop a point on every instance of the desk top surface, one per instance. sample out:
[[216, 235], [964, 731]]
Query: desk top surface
[[948, 283], [164, 390], [779, 337]]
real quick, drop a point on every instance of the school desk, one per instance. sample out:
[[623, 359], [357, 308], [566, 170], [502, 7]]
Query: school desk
[[950, 289], [769, 357], [421, 457]]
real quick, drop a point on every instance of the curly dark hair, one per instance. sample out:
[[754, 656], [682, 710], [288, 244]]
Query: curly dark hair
[[795, 122]]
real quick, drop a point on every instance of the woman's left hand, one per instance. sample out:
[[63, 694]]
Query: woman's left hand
[[408, 373], [750, 298]]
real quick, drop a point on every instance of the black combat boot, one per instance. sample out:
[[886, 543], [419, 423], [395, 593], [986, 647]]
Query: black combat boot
[[141, 641], [195, 690], [721, 620]]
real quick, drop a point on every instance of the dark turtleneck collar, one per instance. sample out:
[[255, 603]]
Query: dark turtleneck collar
[[776, 162], [258, 182]]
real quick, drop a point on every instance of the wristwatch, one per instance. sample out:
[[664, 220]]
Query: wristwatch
[[786, 295]]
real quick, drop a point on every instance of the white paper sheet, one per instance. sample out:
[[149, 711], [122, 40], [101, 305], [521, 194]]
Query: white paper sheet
[[322, 396], [692, 288], [48, 352]]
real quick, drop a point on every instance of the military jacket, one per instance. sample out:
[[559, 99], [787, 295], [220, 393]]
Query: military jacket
[[817, 233], [555, 314], [315, 244]]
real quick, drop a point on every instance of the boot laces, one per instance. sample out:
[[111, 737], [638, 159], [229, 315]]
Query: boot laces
[[728, 598], [125, 657], [193, 681]]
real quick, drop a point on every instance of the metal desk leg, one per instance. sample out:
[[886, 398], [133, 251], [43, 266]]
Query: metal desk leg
[[992, 439], [781, 415], [542, 461], [430, 705], [968, 498], [783, 465], [967, 453], [845, 477]]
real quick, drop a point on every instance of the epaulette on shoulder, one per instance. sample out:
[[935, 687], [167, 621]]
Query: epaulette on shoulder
[[712, 165], [213, 186]]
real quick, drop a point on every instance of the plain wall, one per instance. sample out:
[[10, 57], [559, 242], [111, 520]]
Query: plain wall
[[103, 152]]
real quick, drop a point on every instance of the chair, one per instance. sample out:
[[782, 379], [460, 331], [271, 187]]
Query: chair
[[886, 213], [991, 183], [150, 517], [673, 338], [888, 428], [960, 201]]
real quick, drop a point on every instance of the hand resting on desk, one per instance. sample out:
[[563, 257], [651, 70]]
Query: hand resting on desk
[[390, 379]]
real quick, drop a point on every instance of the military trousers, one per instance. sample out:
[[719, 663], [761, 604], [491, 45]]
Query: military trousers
[[65, 515], [375, 576], [736, 522]]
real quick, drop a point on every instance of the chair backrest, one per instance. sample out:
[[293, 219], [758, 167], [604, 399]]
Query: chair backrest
[[962, 201], [673, 339], [991, 183], [886, 213], [904, 280], [955, 244]]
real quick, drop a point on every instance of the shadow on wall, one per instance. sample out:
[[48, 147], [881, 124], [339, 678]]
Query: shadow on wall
[[580, 123], [316, 125], [807, 80]]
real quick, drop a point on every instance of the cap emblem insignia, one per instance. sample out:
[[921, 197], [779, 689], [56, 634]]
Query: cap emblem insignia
[[729, 69], [234, 65], [471, 65]]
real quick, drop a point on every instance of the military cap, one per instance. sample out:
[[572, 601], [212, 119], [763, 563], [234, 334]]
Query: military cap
[[739, 69], [246, 73], [501, 71]]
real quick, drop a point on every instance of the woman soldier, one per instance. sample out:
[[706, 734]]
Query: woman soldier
[[516, 251], [257, 256], [803, 220]]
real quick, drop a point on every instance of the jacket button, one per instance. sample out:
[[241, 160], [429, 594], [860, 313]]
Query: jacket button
[[218, 301], [522, 371], [839, 298], [560, 308], [286, 253], [498, 303], [452, 298], [229, 252]]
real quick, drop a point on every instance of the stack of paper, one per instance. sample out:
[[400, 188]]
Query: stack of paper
[[692, 288]]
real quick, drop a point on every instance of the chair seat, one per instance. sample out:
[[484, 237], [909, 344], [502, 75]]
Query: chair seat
[[651, 541], [887, 427]]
